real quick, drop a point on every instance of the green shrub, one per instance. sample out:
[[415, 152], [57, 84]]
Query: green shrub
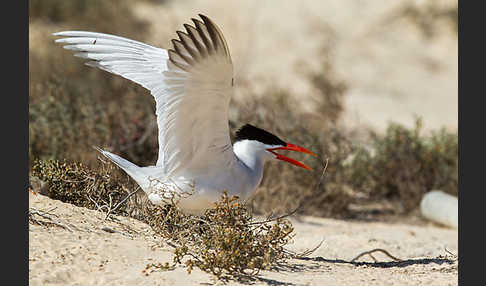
[[403, 164], [113, 16]]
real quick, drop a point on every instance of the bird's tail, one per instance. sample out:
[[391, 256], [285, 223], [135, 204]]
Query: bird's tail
[[131, 169]]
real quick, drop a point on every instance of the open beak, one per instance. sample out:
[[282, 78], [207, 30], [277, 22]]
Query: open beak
[[292, 147]]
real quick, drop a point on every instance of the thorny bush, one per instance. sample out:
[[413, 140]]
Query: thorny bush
[[225, 241]]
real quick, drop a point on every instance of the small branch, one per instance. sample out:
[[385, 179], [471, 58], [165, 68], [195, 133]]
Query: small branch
[[110, 230], [122, 201], [323, 172], [109, 207], [100, 208], [305, 253], [317, 185], [276, 218], [454, 255], [376, 250], [33, 211]]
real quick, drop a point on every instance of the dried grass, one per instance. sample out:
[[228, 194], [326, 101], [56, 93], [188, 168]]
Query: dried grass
[[225, 241]]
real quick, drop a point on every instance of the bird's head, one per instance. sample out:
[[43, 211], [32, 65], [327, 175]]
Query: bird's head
[[252, 142]]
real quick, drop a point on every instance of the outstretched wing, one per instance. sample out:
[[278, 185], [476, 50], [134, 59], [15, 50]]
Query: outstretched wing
[[191, 84]]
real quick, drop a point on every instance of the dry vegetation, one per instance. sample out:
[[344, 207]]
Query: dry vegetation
[[428, 16], [226, 241]]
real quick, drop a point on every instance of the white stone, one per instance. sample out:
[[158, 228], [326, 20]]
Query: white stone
[[441, 208]]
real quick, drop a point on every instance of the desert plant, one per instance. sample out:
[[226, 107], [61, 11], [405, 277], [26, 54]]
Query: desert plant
[[428, 16], [403, 164], [75, 183], [92, 14], [226, 241]]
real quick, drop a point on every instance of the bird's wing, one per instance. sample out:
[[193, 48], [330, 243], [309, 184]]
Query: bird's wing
[[191, 83]]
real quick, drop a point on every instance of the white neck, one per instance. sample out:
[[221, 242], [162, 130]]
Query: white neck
[[253, 155]]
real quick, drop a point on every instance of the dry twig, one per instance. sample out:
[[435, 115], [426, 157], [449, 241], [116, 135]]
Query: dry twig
[[376, 250], [110, 210], [304, 253], [454, 255], [111, 230], [44, 214]]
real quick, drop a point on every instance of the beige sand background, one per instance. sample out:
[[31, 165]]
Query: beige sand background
[[393, 72]]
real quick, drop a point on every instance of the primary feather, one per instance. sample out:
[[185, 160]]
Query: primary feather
[[191, 85]]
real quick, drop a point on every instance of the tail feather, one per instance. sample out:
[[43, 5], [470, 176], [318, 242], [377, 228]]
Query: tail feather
[[131, 169]]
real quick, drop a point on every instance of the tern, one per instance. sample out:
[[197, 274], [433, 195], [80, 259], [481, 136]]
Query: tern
[[192, 84]]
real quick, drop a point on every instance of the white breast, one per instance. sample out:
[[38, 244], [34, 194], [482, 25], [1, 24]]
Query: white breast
[[197, 192]]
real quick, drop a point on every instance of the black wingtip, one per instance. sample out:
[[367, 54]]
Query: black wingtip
[[197, 21], [207, 21], [203, 16]]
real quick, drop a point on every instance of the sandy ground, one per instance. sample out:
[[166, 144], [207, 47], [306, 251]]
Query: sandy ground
[[84, 249]]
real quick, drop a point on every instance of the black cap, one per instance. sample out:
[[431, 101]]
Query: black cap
[[250, 132]]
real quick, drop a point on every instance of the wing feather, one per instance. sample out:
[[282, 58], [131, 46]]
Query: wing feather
[[195, 39], [191, 84], [204, 34]]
